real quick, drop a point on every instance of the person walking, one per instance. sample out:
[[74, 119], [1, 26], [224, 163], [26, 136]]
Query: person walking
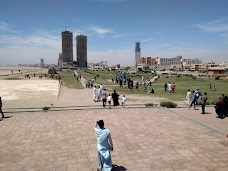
[[104, 97], [173, 86], [203, 102], [165, 86], [194, 98], [115, 98], [169, 87], [137, 85], [1, 107], [109, 99], [189, 97], [94, 93], [123, 100], [104, 146]]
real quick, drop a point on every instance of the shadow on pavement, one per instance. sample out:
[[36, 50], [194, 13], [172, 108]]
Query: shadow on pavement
[[6, 117], [118, 168], [207, 113]]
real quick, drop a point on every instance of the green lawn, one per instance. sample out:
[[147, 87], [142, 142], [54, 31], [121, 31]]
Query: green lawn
[[69, 81], [183, 83]]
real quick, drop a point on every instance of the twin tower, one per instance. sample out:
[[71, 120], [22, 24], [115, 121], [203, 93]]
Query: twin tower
[[67, 50]]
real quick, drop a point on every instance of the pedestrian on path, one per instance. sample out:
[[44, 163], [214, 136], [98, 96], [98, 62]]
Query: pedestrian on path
[[104, 146], [194, 98], [109, 99], [124, 100], [115, 98], [189, 97], [1, 107], [94, 93], [203, 102], [104, 97]]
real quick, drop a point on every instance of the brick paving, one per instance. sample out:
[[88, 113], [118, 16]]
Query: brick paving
[[144, 139], [209, 119]]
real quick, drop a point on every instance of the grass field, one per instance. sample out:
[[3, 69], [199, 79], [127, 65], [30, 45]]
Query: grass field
[[69, 81], [183, 83]]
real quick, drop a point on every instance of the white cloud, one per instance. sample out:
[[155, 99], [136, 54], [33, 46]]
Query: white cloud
[[220, 25], [146, 40], [100, 31], [118, 35], [4, 26]]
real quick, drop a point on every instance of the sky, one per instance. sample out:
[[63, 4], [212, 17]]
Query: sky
[[31, 29]]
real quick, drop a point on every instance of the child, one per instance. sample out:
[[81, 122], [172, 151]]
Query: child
[[109, 98], [123, 100]]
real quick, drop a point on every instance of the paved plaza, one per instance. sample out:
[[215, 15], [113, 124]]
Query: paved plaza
[[145, 139]]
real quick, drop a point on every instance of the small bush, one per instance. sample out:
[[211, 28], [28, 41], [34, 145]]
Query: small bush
[[149, 105], [217, 78], [168, 104], [194, 77], [46, 108]]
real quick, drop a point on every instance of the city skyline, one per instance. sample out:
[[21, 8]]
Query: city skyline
[[30, 31]]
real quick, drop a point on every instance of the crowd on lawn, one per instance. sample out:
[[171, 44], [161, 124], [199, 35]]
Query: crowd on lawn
[[169, 87]]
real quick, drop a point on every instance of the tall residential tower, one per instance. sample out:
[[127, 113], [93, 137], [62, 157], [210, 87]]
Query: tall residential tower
[[137, 52], [81, 48], [67, 49]]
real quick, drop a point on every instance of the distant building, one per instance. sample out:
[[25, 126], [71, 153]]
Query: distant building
[[67, 49], [137, 52], [147, 61], [216, 71], [41, 63], [81, 50]]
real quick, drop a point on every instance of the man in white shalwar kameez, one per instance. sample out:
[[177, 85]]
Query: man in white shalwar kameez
[[169, 86], [104, 146], [94, 93], [189, 97]]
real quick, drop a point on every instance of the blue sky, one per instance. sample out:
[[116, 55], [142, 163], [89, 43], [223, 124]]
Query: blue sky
[[31, 29]]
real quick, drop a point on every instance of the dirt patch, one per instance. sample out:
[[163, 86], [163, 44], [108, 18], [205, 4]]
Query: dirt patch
[[29, 89]]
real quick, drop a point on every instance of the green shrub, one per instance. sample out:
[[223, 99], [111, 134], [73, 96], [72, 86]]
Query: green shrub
[[46, 108], [149, 105], [168, 104], [217, 78]]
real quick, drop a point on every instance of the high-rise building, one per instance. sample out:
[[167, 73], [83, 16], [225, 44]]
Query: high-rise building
[[41, 63], [67, 49], [81, 50], [137, 52]]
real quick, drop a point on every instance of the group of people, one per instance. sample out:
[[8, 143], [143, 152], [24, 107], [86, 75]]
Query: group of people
[[169, 87], [210, 87], [193, 97], [100, 94], [221, 107]]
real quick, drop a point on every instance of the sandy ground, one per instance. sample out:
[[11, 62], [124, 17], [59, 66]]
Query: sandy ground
[[6, 70], [28, 89]]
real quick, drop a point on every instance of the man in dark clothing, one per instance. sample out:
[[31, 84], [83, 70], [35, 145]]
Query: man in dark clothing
[[1, 107], [203, 102], [165, 86], [115, 98]]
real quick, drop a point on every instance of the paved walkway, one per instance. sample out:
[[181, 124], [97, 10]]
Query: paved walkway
[[144, 140], [209, 119]]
